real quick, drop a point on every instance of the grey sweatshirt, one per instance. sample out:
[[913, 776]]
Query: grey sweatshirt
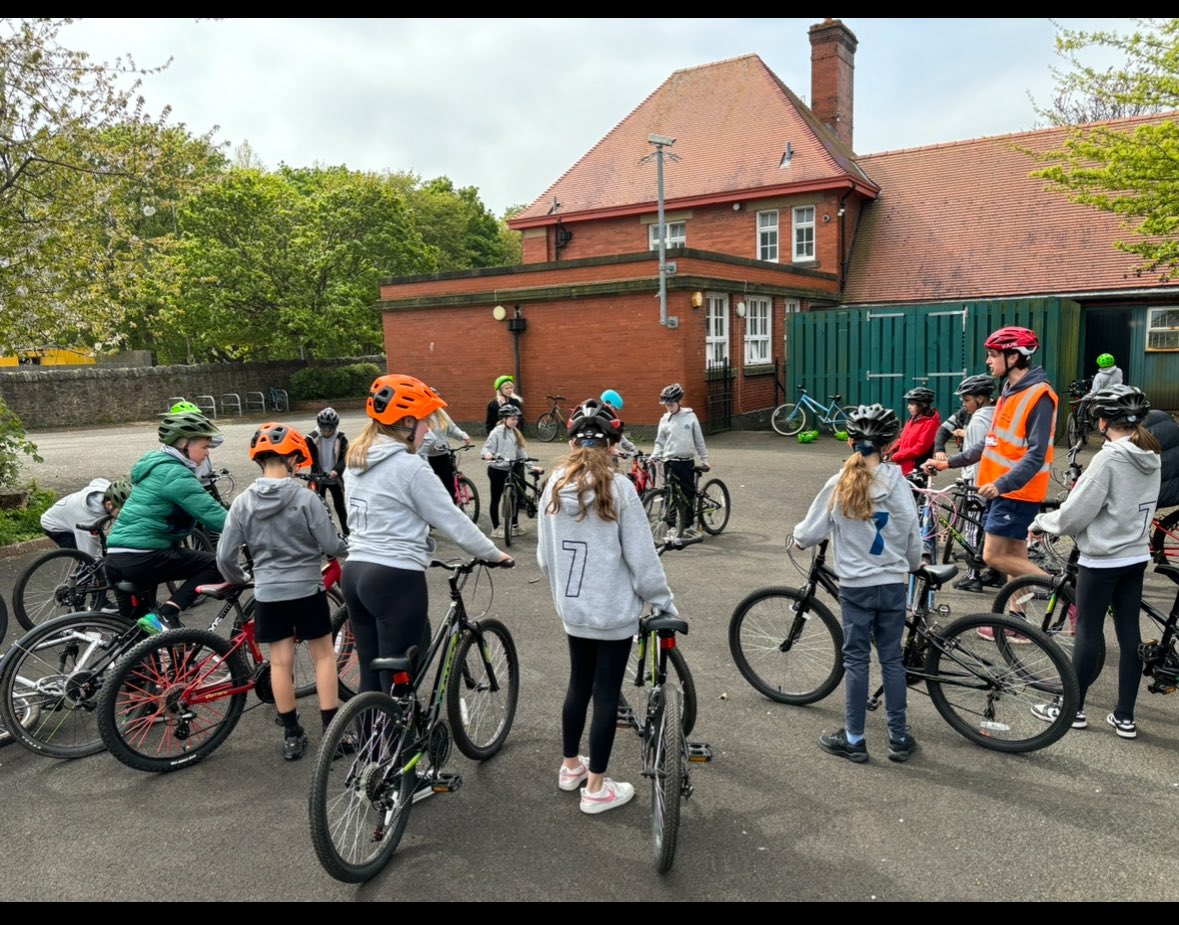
[[80, 507], [1110, 508], [437, 442], [502, 442], [1103, 379], [288, 532], [601, 573], [882, 550], [392, 505], [679, 437]]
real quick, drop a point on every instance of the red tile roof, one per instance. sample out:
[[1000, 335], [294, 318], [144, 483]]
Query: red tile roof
[[733, 120], [964, 220]]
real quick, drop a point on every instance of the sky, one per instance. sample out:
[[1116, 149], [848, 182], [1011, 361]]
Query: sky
[[508, 105]]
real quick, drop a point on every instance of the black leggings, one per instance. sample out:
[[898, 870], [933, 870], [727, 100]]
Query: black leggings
[[443, 467], [337, 491], [596, 670], [498, 478], [1099, 589], [148, 569], [683, 471], [389, 612]]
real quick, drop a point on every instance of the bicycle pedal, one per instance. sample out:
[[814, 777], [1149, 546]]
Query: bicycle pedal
[[626, 718], [446, 782], [699, 752]]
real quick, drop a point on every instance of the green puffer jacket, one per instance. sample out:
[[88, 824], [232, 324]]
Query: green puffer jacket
[[165, 503]]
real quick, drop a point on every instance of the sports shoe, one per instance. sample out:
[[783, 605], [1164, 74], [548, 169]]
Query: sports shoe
[[497, 533], [690, 534], [1125, 727], [992, 579], [969, 583], [519, 529], [570, 779], [1016, 639], [293, 746], [839, 745], [424, 788], [151, 624], [1049, 712], [611, 796], [900, 749], [346, 746]]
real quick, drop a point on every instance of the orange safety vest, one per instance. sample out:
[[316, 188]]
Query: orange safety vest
[[1007, 443]]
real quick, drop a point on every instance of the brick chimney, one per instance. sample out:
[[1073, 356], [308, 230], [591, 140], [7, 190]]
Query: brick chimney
[[833, 53]]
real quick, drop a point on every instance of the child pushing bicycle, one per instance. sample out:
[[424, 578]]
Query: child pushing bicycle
[[679, 441]]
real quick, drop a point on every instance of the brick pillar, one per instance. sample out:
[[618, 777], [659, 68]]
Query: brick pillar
[[833, 53]]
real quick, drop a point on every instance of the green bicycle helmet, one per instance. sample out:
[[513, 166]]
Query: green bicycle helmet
[[185, 407], [500, 380], [117, 492], [1105, 361], [186, 426]]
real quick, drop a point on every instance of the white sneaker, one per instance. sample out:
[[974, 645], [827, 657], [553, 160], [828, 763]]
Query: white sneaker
[[611, 796], [570, 779], [497, 533], [519, 529]]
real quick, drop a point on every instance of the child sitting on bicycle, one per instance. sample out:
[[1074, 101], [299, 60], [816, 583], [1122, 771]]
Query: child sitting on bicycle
[[679, 441], [869, 511], [288, 532], [204, 471], [915, 444], [505, 452], [594, 546], [1109, 512], [329, 447], [99, 498], [436, 448]]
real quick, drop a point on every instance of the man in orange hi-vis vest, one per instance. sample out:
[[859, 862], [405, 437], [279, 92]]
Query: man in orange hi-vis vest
[[1015, 459]]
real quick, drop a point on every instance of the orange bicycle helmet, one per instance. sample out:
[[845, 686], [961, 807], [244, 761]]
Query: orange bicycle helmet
[[393, 397], [278, 438]]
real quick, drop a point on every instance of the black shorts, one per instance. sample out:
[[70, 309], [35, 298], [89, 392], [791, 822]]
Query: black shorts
[[305, 617]]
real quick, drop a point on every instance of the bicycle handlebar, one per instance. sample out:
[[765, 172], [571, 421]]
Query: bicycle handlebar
[[678, 543], [466, 566]]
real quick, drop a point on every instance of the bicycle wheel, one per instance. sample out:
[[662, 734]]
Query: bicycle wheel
[[1075, 431], [788, 419], [1053, 611], [51, 678], [1164, 539], [3, 618], [484, 686], [781, 649], [677, 671], [839, 419], [507, 509], [548, 425], [202, 541], [226, 487], [987, 697], [347, 662], [655, 507], [713, 506], [59, 582], [345, 651], [361, 790], [667, 776], [173, 700], [468, 498]]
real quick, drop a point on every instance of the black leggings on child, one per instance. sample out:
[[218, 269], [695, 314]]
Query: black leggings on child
[[597, 668]]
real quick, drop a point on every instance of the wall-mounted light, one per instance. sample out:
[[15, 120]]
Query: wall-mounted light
[[740, 309], [697, 299], [499, 313], [736, 207]]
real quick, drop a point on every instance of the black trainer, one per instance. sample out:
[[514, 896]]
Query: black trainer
[[293, 746], [969, 584], [839, 745], [900, 749]]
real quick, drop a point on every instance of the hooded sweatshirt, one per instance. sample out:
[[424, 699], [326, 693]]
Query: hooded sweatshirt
[[1110, 508], [165, 505], [288, 532], [881, 550], [601, 572], [80, 507], [393, 503]]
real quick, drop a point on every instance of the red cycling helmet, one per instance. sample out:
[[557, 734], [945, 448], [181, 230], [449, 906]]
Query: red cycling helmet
[[281, 439], [1015, 339], [393, 397]]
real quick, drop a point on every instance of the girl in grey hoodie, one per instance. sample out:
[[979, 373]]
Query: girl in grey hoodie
[[1109, 512]]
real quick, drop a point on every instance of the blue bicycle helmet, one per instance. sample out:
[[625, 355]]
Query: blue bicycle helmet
[[613, 399]]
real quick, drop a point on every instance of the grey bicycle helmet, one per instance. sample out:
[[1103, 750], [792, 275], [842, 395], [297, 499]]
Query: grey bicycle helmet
[[673, 393], [117, 492], [328, 419], [981, 384], [593, 421], [1119, 404], [509, 410], [186, 426], [921, 395], [875, 423]]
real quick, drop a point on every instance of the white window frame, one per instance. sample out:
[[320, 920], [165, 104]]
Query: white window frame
[[767, 235], [716, 328], [792, 307], [759, 313], [677, 235], [1162, 329], [804, 233]]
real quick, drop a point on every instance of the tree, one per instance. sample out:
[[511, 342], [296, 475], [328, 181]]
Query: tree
[[1131, 171]]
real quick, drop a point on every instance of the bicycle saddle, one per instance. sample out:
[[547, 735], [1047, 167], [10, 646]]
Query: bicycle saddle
[[937, 575], [664, 622], [94, 527], [224, 590]]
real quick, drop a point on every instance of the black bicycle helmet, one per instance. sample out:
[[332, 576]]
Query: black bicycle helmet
[[921, 395], [509, 410], [328, 419], [186, 426], [1119, 404], [117, 492], [876, 423], [594, 420], [673, 393], [981, 384]]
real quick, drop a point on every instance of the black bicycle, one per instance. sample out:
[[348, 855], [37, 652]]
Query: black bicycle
[[522, 492], [664, 506], [787, 644]]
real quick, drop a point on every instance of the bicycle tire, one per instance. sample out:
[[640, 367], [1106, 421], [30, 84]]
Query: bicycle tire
[[226, 488], [986, 696], [347, 661], [305, 664], [655, 507], [1052, 611], [507, 507], [202, 541], [483, 690], [713, 507], [144, 714], [1164, 539], [788, 419], [361, 795], [667, 778], [548, 425], [1075, 433], [51, 678], [59, 582], [468, 498], [677, 669], [807, 670], [838, 420], [3, 620]]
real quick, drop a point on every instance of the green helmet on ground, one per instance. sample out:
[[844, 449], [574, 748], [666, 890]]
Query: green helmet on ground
[[1105, 361], [186, 426]]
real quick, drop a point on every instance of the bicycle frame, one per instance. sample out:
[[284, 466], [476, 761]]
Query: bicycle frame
[[825, 414]]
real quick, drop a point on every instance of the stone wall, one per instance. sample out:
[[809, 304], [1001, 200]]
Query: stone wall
[[75, 396]]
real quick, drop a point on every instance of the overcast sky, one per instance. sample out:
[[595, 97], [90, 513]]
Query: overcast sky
[[508, 105]]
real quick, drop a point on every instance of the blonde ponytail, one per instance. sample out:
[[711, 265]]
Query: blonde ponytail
[[852, 493]]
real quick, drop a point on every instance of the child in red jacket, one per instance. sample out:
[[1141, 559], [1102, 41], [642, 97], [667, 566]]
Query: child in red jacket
[[915, 444]]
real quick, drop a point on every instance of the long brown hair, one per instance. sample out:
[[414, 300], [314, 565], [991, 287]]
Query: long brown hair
[[1139, 436], [358, 448], [853, 490], [590, 469], [519, 431]]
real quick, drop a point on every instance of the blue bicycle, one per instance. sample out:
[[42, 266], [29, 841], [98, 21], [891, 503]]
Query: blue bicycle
[[791, 418]]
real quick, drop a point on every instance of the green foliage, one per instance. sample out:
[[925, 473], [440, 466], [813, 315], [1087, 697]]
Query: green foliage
[[350, 381], [20, 524], [1131, 172], [13, 443]]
